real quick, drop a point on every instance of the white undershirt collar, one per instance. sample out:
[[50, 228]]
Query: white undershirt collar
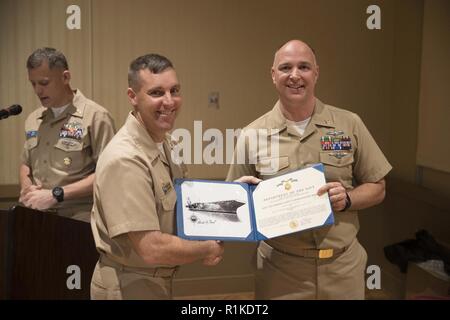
[[300, 126], [59, 110]]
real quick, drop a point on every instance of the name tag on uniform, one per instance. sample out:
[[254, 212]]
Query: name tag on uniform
[[166, 187]]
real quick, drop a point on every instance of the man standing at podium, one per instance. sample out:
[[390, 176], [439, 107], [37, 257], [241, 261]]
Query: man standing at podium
[[133, 219], [64, 138]]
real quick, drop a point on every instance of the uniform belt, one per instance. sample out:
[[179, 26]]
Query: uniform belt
[[158, 272], [308, 253]]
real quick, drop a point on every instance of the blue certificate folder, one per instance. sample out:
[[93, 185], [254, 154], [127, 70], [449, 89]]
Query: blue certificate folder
[[233, 211]]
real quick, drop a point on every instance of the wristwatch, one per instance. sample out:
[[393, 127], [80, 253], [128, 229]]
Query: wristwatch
[[58, 194], [348, 203]]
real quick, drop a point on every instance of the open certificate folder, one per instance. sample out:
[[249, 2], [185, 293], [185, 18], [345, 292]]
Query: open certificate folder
[[218, 210]]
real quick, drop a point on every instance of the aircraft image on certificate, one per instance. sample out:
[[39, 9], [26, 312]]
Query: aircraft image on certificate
[[219, 210]]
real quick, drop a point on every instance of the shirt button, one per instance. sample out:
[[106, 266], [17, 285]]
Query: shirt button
[[48, 143]]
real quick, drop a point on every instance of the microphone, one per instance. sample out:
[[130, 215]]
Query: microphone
[[10, 111]]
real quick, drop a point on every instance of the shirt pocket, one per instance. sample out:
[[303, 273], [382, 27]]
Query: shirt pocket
[[272, 166], [166, 214], [69, 156], [338, 168], [31, 153], [165, 195], [69, 146], [31, 143], [168, 201]]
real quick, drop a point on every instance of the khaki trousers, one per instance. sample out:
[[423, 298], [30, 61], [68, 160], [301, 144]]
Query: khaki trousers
[[285, 276], [112, 283], [81, 213]]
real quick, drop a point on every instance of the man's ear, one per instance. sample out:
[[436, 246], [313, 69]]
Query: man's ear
[[272, 73], [132, 96], [66, 76], [317, 73]]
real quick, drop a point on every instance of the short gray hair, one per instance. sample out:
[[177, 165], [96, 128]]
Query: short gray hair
[[54, 58]]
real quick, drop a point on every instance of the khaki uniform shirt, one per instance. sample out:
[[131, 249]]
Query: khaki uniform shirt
[[363, 162], [63, 150], [133, 191]]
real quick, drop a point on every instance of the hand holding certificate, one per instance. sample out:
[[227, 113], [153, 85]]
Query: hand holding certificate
[[237, 211]]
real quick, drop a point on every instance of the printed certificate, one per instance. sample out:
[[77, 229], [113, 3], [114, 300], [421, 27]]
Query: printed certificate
[[221, 210]]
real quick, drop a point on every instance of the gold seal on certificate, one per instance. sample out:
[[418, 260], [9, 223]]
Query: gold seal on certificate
[[221, 210]]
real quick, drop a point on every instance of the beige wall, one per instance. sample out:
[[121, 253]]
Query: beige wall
[[224, 46], [401, 116], [434, 104], [227, 46], [434, 111]]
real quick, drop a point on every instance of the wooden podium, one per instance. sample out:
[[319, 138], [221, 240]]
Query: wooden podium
[[42, 255]]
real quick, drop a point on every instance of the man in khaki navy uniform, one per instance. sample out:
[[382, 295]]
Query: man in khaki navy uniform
[[64, 139], [327, 262], [133, 218]]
